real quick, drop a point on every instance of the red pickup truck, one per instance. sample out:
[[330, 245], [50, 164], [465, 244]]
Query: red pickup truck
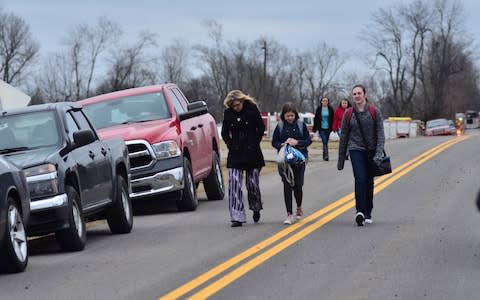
[[173, 144]]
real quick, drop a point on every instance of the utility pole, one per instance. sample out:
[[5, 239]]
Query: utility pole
[[264, 77]]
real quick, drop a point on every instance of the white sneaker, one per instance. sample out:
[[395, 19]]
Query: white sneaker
[[360, 218], [289, 220], [369, 221]]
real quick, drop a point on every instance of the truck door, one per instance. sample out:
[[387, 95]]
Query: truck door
[[204, 152], [98, 155], [191, 135]]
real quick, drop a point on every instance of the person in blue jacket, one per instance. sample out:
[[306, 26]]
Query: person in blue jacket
[[290, 130]]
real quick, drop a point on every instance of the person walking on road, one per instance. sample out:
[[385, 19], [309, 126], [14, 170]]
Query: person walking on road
[[362, 133], [290, 130], [242, 131], [323, 122], [338, 115]]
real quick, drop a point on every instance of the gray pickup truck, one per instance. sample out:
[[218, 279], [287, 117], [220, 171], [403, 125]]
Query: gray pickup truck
[[72, 176]]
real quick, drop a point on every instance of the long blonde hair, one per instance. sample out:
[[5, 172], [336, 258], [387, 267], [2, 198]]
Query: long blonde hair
[[237, 95]]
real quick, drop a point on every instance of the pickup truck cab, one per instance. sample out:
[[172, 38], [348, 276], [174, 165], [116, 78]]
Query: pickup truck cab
[[72, 176], [173, 144]]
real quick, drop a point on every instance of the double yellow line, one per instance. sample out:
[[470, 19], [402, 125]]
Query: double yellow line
[[328, 212]]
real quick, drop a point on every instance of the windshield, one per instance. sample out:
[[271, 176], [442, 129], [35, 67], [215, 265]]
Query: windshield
[[472, 115], [133, 109], [28, 130], [437, 123]]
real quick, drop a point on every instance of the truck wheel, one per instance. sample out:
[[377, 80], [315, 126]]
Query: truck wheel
[[120, 215], [214, 186], [188, 199], [74, 237], [14, 251]]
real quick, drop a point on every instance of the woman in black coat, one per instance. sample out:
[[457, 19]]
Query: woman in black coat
[[242, 131], [323, 122]]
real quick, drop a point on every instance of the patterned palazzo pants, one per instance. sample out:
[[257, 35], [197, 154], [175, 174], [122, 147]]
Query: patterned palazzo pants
[[235, 193]]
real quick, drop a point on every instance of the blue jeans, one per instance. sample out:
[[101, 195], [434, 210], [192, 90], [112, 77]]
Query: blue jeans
[[324, 135], [363, 181]]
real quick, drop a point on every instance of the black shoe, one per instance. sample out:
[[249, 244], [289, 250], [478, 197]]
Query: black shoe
[[256, 216], [360, 219], [236, 224]]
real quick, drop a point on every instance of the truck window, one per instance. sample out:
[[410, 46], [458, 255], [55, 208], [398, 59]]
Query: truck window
[[181, 97], [81, 120], [176, 103], [71, 126], [130, 109]]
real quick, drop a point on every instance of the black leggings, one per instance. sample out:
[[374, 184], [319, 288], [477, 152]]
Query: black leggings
[[297, 189]]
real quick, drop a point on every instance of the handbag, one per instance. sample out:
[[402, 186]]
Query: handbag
[[385, 166], [281, 155]]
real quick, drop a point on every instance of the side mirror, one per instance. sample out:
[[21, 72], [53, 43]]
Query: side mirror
[[196, 108], [83, 137]]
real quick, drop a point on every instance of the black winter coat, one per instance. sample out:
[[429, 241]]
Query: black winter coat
[[242, 132], [317, 120]]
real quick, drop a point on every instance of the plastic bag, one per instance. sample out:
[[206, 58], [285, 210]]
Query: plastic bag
[[293, 156], [281, 155], [334, 136]]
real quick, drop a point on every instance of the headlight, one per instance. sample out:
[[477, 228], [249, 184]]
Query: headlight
[[42, 180], [166, 149]]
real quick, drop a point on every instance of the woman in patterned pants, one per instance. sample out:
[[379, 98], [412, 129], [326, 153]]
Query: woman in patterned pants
[[242, 131]]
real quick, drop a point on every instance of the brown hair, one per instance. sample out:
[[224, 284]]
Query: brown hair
[[289, 107], [237, 95]]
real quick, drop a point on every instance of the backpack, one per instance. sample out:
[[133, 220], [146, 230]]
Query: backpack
[[371, 109], [299, 124]]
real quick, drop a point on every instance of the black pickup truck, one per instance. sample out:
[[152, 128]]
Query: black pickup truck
[[72, 176]]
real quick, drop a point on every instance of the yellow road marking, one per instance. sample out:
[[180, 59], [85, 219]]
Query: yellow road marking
[[380, 184]]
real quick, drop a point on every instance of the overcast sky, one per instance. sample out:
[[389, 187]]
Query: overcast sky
[[295, 24]]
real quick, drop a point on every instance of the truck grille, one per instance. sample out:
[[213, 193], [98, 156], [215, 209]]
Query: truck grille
[[140, 154]]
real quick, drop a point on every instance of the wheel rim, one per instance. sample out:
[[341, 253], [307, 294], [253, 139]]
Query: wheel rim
[[191, 188], [17, 233], [77, 219], [126, 207], [218, 172]]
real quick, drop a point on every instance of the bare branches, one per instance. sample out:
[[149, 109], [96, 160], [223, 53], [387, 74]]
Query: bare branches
[[17, 47]]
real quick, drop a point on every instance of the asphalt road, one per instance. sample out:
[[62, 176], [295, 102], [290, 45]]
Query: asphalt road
[[424, 244]]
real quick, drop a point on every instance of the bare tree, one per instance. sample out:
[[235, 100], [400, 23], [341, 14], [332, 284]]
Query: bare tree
[[130, 66], [324, 63], [447, 58], [399, 44], [17, 47], [174, 61], [84, 45]]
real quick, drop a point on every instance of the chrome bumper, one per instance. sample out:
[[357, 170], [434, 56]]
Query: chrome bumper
[[161, 182], [57, 201]]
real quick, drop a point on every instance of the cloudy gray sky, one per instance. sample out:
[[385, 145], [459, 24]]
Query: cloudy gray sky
[[297, 24]]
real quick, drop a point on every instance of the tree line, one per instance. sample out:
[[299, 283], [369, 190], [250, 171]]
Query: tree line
[[420, 58]]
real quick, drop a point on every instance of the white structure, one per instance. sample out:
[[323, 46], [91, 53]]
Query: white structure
[[10, 97]]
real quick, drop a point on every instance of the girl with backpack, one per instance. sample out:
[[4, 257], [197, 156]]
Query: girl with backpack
[[362, 133], [292, 131]]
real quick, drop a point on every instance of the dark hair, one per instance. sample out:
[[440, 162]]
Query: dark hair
[[289, 107], [360, 86], [348, 103], [325, 97], [363, 89]]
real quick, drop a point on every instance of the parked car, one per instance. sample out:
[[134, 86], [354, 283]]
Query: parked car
[[173, 144], [72, 176], [14, 214], [439, 127]]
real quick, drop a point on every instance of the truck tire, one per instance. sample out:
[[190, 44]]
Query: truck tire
[[74, 237], [14, 251], [188, 199], [120, 215], [214, 186]]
